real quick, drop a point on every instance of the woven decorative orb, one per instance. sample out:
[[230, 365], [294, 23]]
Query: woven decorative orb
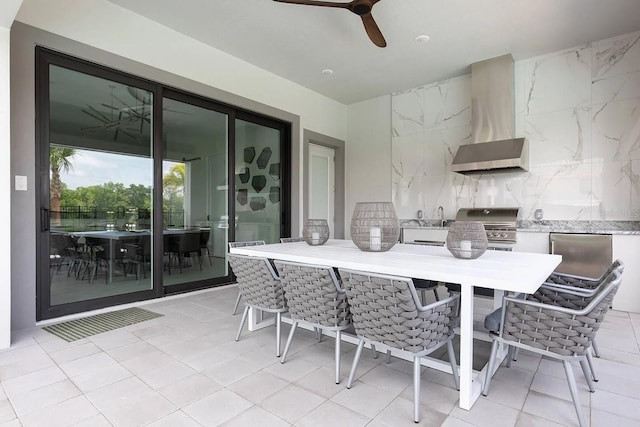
[[315, 232], [467, 239], [375, 226]]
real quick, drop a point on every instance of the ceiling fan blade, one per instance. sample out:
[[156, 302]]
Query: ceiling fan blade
[[316, 3], [373, 31]]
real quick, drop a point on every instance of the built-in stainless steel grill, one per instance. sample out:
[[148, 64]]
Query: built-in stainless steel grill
[[500, 223]]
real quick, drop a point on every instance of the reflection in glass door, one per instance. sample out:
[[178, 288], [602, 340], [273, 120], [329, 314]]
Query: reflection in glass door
[[100, 188], [260, 196], [195, 195]]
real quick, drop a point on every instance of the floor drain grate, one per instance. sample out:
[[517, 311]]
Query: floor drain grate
[[81, 328]]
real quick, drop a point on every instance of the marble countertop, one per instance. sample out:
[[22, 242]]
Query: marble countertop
[[547, 226]]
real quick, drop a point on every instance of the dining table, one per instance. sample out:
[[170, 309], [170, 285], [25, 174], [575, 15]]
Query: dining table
[[113, 236], [502, 271]]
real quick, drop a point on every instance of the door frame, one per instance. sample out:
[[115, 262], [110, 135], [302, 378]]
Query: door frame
[[43, 59], [328, 154], [310, 137]]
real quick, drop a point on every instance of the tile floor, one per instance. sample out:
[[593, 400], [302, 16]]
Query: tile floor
[[184, 369]]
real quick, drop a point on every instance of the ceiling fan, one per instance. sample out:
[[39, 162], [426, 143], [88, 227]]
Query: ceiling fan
[[362, 8]]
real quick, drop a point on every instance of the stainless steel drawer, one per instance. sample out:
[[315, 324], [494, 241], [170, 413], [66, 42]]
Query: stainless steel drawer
[[586, 255]]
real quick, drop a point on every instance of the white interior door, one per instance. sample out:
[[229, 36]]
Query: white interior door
[[322, 184]]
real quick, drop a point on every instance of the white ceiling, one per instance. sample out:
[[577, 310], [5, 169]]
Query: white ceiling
[[298, 42]]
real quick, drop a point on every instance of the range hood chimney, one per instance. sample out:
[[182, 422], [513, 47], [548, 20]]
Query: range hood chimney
[[494, 148]]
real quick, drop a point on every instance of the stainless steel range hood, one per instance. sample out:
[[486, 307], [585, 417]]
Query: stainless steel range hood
[[507, 155], [492, 110]]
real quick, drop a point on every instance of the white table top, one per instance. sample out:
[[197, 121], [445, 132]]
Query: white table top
[[510, 271]]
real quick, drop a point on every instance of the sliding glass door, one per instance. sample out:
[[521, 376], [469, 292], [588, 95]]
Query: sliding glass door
[[142, 186], [96, 191], [194, 194]]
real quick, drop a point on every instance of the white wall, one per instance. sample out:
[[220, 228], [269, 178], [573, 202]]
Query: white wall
[[368, 154], [8, 11], [5, 192]]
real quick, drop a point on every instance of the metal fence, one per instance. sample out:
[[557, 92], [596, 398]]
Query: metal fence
[[85, 218]]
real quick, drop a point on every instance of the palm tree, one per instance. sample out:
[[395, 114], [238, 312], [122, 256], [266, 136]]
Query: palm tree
[[59, 160]]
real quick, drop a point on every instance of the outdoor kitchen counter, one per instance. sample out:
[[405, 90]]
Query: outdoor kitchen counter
[[555, 226]]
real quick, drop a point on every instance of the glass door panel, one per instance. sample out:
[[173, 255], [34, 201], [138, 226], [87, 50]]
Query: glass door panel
[[258, 189], [100, 188], [195, 195]]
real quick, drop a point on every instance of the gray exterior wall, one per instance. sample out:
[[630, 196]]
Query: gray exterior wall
[[24, 39]]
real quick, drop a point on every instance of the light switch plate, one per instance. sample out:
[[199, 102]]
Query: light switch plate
[[21, 183]]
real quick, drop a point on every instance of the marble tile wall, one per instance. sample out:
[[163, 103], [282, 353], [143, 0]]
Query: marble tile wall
[[579, 109]]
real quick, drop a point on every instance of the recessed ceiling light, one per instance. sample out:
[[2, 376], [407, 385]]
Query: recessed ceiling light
[[422, 38], [327, 72]]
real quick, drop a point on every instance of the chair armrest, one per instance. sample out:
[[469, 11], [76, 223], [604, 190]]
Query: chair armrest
[[575, 277], [433, 305], [550, 307], [568, 289]]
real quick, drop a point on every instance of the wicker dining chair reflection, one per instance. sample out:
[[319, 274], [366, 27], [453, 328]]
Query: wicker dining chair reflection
[[557, 332], [240, 245], [315, 298], [260, 288], [387, 313]]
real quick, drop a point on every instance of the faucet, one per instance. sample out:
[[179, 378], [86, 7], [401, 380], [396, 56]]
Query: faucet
[[441, 215]]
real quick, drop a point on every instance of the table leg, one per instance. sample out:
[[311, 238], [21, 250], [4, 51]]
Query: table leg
[[112, 254], [256, 321], [469, 389]]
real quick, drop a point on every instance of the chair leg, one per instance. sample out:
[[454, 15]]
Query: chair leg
[[235, 307], [492, 362], [454, 364], [592, 368], [354, 366], [318, 334], [587, 375], [574, 392], [375, 353], [416, 388], [511, 356], [278, 332], [435, 293], [596, 351], [294, 325], [244, 319], [337, 349], [388, 356]]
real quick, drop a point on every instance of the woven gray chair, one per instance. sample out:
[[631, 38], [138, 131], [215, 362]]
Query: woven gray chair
[[557, 332], [576, 292], [240, 245], [566, 291], [562, 279], [260, 288], [291, 239], [387, 313], [314, 297]]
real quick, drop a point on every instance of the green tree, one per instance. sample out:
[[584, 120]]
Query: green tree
[[173, 187], [59, 160], [139, 196]]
